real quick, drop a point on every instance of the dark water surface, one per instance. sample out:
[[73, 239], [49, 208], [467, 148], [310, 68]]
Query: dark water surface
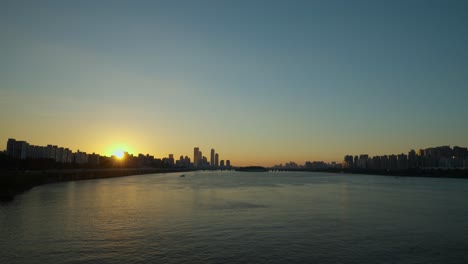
[[235, 217]]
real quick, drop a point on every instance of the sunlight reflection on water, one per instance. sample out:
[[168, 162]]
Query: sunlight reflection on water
[[219, 217]]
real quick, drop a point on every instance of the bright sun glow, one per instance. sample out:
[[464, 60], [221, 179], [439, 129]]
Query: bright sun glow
[[119, 153]]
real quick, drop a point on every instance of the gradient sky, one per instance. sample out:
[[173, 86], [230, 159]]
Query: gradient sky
[[262, 82]]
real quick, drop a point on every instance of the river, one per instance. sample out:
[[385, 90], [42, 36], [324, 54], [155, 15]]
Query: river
[[239, 217]]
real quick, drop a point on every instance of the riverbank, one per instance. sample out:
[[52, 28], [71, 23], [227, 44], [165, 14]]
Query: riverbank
[[252, 169], [13, 183], [416, 172]]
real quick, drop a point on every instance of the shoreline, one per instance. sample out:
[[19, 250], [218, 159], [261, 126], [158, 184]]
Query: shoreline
[[419, 172], [13, 183]]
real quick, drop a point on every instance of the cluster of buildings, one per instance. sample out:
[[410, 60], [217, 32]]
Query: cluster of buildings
[[23, 150], [430, 158], [309, 165], [438, 157], [147, 160], [201, 162]]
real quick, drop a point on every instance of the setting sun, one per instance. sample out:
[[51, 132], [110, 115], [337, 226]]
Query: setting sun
[[119, 153]]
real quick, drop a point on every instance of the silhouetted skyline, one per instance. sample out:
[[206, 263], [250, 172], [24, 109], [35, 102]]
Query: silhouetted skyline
[[265, 81], [428, 158], [23, 150]]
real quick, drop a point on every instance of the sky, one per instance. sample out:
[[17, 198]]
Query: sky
[[261, 82]]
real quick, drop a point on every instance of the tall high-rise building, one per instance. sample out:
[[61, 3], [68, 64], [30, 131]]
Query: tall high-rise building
[[384, 162], [59, 154], [17, 149], [402, 161], [412, 161], [392, 162], [171, 159], [196, 156], [228, 163], [212, 158], [362, 162], [216, 160], [348, 161]]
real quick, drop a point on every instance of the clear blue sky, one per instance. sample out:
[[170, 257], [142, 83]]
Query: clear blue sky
[[262, 82]]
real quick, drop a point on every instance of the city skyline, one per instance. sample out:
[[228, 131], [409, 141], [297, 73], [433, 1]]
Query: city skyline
[[430, 157], [123, 149], [22, 150], [264, 81]]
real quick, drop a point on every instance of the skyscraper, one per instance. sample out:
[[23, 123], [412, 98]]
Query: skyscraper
[[212, 158], [348, 161], [412, 161], [196, 156], [216, 160], [171, 159]]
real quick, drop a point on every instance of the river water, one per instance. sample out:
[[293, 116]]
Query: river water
[[239, 217]]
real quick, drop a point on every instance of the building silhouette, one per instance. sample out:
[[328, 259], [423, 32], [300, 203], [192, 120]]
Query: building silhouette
[[196, 156], [212, 158], [17, 149], [434, 157]]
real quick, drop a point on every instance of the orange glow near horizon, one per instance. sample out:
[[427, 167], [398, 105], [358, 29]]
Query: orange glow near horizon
[[119, 154], [118, 150]]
